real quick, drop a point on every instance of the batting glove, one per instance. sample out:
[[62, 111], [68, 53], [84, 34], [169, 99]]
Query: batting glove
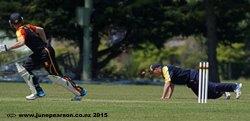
[[3, 48]]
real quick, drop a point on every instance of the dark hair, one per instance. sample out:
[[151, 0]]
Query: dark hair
[[154, 66], [15, 18]]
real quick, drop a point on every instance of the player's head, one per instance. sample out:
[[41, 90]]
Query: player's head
[[15, 20], [155, 69]]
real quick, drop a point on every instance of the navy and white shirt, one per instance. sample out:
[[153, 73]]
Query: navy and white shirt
[[175, 74]]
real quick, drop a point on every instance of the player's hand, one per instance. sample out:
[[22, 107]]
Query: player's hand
[[3, 48], [142, 73], [164, 99]]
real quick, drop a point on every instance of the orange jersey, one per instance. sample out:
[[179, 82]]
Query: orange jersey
[[31, 38], [22, 33]]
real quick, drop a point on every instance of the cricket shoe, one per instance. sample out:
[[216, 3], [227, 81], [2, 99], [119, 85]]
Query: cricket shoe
[[79, 97], [238, 90], [227, 95], [31, 97], [40, 93]]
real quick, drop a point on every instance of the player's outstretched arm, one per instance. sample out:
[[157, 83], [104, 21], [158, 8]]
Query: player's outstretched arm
[[167, 91], [20, 42], [170, 91], [16, 45]]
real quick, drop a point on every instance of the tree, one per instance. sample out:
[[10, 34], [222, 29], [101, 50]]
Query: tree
[[122, 24], [232, 57], [212, 41], [135, 22]]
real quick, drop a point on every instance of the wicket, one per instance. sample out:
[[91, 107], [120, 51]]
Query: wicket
[[203, 82]]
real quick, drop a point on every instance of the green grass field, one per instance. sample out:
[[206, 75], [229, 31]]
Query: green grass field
[[122, 103]]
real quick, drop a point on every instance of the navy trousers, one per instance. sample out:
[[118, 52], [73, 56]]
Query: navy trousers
[[46, 59], [215, 90]]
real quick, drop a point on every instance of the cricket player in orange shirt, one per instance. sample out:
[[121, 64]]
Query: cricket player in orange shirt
[[43, 56]]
